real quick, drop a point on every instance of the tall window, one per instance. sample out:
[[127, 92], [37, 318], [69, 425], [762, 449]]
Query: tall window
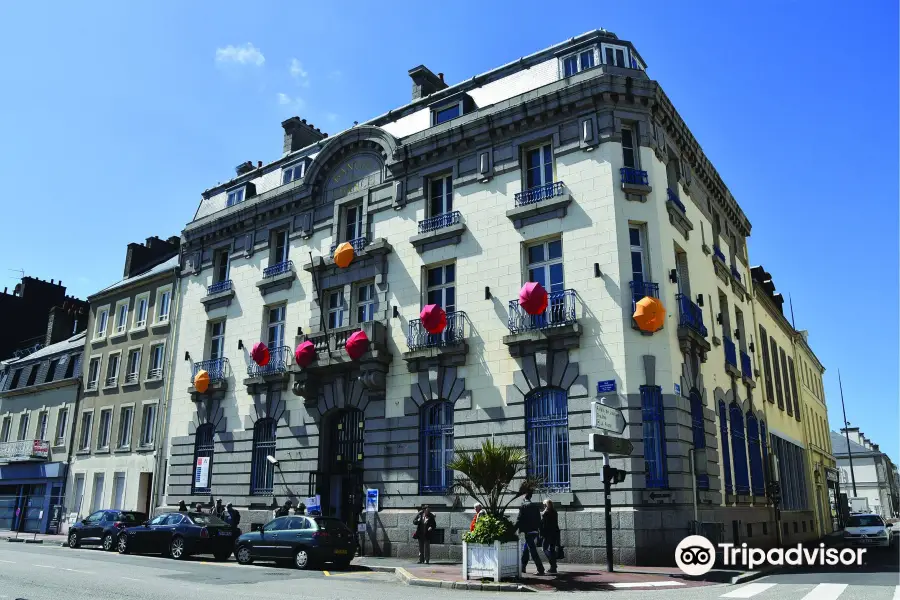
[[787, 383], [441, 290], [163, 303], [793, 378], [726, 454], [764, 442], [4, 431], [545, 266], [51, 370], [538, 166], [148, 425], [122, 317], [767, 369], [629, 157], [276, 326], [353, 225], [102, 319], [17, 374], [133, 368], [739, 451], [23, 425], [777, 373], [335, 309], [93, 374], [262, 477], [217, 340], [614, 55], [279, 247], [757, 480], [32, 375], [97, 494], [43, 418], [71, 360], [221, 265], [655, 457], [140, 311], [204, 447], [436, 443], [547, 437], [62, 419], [103, 436], [118, 501], [699, 431], [365, 303], [441, 198], [112, 370], [126, 416], [637, 239], [87, 420], [155, 366]]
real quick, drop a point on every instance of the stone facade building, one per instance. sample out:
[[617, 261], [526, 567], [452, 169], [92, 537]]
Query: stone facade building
[[874, 471], [569, 167]]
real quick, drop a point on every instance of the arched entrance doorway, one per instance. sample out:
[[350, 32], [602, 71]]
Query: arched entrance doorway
[[341, 461]]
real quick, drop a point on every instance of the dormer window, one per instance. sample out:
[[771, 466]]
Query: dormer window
[[235, 197], [615, 55], [446, 112], [293, 172], [578, 62]]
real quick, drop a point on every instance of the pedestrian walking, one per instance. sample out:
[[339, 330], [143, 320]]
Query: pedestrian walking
[[182, 507], [219, 509], [550, 534], [478, 510], [285, 510], [528, 522], [233, 518], [425, 524], [198, 508]]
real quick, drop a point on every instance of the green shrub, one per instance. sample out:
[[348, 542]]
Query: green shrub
[[490, 528]]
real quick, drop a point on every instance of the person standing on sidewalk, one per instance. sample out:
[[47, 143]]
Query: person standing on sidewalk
[[529, 523], [425, 524], [550, 532], [233, 518], [478, 510]]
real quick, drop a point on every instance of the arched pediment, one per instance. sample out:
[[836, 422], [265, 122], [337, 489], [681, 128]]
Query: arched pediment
[[364, 140]]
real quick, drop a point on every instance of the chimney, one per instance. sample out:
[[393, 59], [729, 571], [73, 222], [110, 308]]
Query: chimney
[[141, 257], [300, 134], [425, 82], [259, 164], [244, 167]]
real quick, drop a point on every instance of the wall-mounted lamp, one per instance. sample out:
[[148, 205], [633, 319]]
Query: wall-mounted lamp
[[396, 312], [699, 299], [240, 344], [673, 276], [752, 347], [737, 334], [719, 318], [299, 331], [187, 356], [487, 292], [597, 272]]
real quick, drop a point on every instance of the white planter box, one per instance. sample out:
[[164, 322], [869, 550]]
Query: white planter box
[[495, 561]]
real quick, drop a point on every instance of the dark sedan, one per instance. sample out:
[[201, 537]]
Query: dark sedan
[[103, 527], [305, 540], [179, 535]]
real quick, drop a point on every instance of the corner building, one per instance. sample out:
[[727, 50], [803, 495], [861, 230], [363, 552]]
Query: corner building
[[569, 167]]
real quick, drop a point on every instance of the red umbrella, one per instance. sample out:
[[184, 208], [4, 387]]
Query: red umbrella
[[305, 353], [260, 354], [357, 344], [533, 298], [434, 318]]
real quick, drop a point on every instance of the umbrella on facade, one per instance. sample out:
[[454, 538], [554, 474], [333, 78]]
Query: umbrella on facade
[[305, 353], [343, 255], [533, 298], [649, 314], [201, 381], [434, 318], [357, 344], [260, 354]]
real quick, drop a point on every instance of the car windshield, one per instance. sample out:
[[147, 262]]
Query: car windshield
[[865, 521], [199, 519], [329, 524]]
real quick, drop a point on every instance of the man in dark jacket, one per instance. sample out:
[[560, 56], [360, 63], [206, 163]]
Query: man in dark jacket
[[233, 517], [529, 523], [286, 509]]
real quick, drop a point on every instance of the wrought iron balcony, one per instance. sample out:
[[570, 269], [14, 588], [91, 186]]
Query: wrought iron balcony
[[717, 252], [439, 221], [279, 361], [730, 351], [278, 269], [541, 192], [746, 366], [560, 311], [674, 199], [357, 243], [216, 367], [633, 176], [690, 315], [24, 450], [219, 287], [735, 273], [418, 337], [642, 289]]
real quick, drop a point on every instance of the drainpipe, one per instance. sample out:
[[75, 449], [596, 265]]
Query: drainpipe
[[162, 426], [72, 427]]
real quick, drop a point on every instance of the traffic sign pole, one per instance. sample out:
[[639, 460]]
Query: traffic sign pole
[[607, 484]]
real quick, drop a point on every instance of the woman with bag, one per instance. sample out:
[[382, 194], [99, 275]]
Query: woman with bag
[[425, 525], [551, 534]]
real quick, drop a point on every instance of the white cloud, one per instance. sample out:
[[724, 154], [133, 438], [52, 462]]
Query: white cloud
[[293, 102], [299, 73], [246, 54]]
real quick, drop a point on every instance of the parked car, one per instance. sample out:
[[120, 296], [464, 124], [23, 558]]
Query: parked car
[[305, 540], [103, 527], [867, 530], [179, 535]]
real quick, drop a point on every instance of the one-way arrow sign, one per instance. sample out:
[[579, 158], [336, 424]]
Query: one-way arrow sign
[[660, 495], [607, 443]]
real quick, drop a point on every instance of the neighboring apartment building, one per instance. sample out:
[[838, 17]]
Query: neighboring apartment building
[[873, 469], [569, 167], [125, 365], [38, 399], [32, 307]]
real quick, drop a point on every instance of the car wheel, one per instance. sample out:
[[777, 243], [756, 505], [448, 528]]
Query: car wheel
[[122, 545], [177, 549], [73, 540], [243, 555], [301, 559], [109, 543]]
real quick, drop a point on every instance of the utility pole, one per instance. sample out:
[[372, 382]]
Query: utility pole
[[847, 433]]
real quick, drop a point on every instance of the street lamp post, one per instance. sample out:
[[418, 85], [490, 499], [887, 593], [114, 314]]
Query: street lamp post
[[847, 434]]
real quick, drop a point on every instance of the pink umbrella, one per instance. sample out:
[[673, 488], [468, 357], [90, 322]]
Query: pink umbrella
[[305, 354], [434, 318], [357, 344], [260, 354], [533, 298]]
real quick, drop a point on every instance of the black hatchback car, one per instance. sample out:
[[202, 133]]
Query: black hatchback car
[[178, 535], [103, 527], [305, 540]]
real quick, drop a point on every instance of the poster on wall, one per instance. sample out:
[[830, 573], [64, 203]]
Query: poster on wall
[[201, 472]]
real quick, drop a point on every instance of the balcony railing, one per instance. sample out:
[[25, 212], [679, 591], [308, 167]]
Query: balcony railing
[[633, 176], [418, 337], [690, 315], [218, 287], [674, 199], [91, 386], [278, 269], [541, 192], [735, 273], [24, 450], [730, 351], [112, 381], [642, 289], [560, 311], [216, 367], [746, 367], [439, 222], [155, 373], [279, 361], [357, 243], [717, 252], [131, 378]]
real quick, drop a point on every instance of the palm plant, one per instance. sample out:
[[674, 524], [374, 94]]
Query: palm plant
[[486, 473]]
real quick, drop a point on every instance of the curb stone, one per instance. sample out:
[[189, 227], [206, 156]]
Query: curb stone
[[410, 579]]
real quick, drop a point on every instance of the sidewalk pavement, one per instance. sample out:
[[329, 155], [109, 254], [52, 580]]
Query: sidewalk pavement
[[31, 538]]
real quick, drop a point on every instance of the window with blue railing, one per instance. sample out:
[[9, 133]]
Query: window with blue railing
[[726, 454], [699, 432], [655, 458], [547, 437], [757, 479], [204, 447], [262, 476], [764, 442], [739, 451], [436, 443], [690, 315]]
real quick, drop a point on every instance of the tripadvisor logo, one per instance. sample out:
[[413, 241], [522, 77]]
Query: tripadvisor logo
[[695, 555]]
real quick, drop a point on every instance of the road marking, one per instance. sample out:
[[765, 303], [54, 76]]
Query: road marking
[[635, 584], [132, 579], [327, 574], [44, 566], [78, 571], [12, 562], [748, 591], [826, 591]]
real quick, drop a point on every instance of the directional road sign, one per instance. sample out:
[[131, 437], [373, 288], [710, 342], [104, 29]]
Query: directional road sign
[[607, 443], [607, 418]]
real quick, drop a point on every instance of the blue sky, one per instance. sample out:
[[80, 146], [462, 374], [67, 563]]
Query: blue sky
[[115, 116]]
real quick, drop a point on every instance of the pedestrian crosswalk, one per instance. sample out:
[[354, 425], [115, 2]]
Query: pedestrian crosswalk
[[820, 591]]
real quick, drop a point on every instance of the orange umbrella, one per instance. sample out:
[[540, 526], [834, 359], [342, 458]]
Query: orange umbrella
[[201, 381], [649, 314], [343, 255]]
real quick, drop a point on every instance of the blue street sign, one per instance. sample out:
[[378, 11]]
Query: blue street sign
[[606, 387], [677, 390]]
